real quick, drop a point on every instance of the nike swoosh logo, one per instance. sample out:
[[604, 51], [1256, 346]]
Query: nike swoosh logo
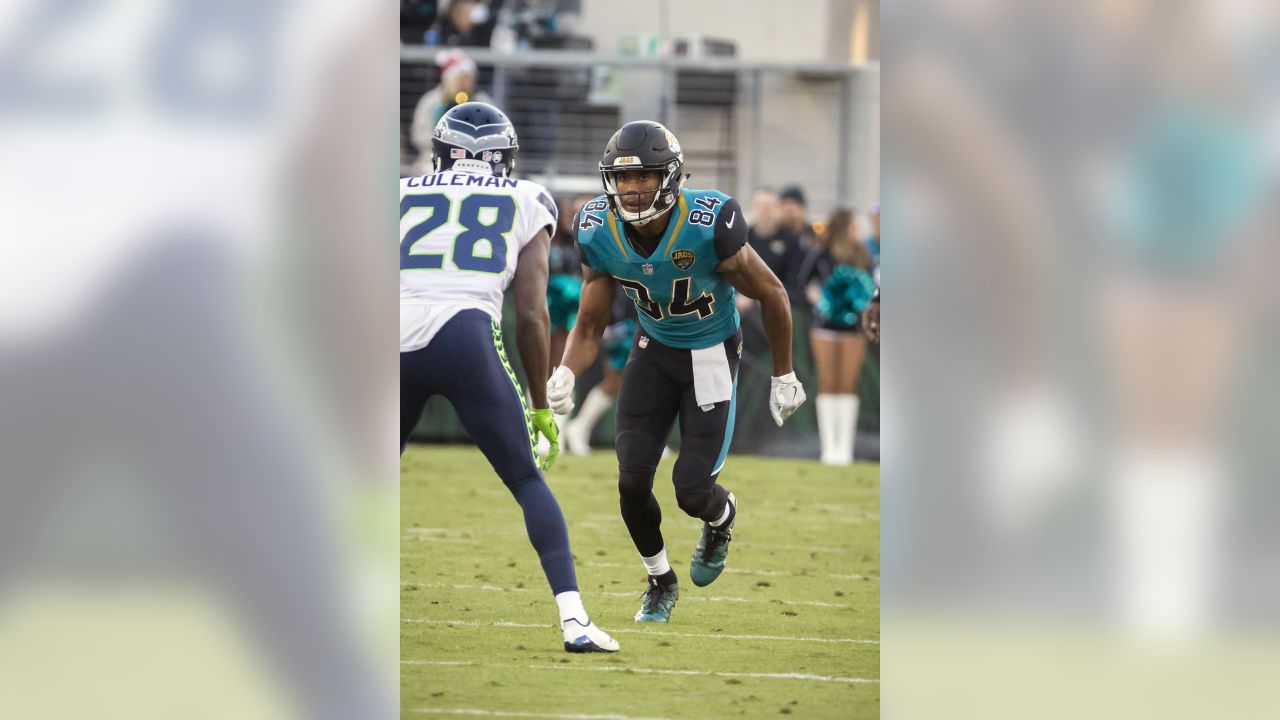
[[732, 217]]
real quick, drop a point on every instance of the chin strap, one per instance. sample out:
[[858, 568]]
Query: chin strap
[[649, 219]]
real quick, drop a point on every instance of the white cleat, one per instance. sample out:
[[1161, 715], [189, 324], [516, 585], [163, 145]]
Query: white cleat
[[579, 638], [576, 438]]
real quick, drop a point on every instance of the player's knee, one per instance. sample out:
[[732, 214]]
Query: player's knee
[[516, 480], [639, 450], [635, 482], [695, 503]]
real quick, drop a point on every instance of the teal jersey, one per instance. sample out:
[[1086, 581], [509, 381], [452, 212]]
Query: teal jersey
[[682, 302]]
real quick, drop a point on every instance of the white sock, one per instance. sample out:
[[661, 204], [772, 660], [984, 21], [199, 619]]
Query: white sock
[[657, 565], [827, 427], [847, 427], [570, 604], [725, 515], [594, 407], [1165, 507]]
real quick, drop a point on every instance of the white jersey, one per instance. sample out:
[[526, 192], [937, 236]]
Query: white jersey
[[460, 238]]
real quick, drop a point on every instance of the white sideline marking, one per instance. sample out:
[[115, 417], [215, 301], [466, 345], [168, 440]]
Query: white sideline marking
[[659, 633], [699, 598], [659, 671], [505, 713]]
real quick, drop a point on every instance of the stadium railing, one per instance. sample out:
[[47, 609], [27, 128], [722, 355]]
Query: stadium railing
[[743, 124]]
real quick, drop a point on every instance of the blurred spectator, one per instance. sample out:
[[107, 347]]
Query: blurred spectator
[[416, 19], [836, 274], [466, 23], [778, 247], [539, 24], [564, 283], [873, 240], [406, 157], [565, 259], [457, 85], [795, 214], [870, 319]]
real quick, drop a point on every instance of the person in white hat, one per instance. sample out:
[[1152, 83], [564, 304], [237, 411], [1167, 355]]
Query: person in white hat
[[457, 86]]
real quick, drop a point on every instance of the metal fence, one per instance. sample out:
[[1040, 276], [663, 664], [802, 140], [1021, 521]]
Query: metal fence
[[743, 125]]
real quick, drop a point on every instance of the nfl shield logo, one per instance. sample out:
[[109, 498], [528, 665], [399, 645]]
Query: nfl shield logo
[[644, 341], [648, 270]]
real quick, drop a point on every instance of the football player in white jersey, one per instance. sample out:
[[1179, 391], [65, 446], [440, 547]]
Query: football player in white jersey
[[467, 231]]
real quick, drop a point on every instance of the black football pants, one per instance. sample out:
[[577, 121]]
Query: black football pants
[[657, 387]]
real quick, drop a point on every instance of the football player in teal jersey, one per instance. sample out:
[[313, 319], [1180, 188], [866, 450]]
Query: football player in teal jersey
[[680, 255]]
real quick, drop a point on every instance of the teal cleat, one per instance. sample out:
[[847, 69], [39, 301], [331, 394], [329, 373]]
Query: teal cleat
[[657, 602], [712, 550]]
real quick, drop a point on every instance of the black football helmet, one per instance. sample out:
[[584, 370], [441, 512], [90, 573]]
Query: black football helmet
[[474, 137], [644, 145]]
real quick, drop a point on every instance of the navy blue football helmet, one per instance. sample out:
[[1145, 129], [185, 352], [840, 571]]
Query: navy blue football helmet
[[474, 137]]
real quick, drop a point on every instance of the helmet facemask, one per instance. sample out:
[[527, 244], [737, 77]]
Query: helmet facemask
[[663, 200]]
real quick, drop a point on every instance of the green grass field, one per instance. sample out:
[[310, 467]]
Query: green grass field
[[792, 627]]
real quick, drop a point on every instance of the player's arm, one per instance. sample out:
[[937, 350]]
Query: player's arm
[[594, 307], [751, 277], [748, 274], [744, 269], [533, 322]]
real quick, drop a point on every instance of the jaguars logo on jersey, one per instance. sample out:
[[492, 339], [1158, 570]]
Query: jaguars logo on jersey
[[683, 259]]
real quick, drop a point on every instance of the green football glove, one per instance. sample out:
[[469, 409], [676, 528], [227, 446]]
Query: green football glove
[[544, 424]]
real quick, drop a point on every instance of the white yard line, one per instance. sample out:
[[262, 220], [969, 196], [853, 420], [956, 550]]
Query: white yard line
[[737, 571], [800, 548], [698, 598], [434, 538], [660, 671], [659, 633], [478, 712], [424, 534]]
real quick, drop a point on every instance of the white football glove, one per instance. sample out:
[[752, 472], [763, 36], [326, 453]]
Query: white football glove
[[560, 390], [786, 394]]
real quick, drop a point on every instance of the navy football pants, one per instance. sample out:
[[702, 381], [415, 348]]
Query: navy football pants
[[466, 363]]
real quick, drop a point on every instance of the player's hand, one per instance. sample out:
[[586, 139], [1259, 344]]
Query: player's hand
[[560, 390], [786, 394], [544, 424], [871, 321]]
